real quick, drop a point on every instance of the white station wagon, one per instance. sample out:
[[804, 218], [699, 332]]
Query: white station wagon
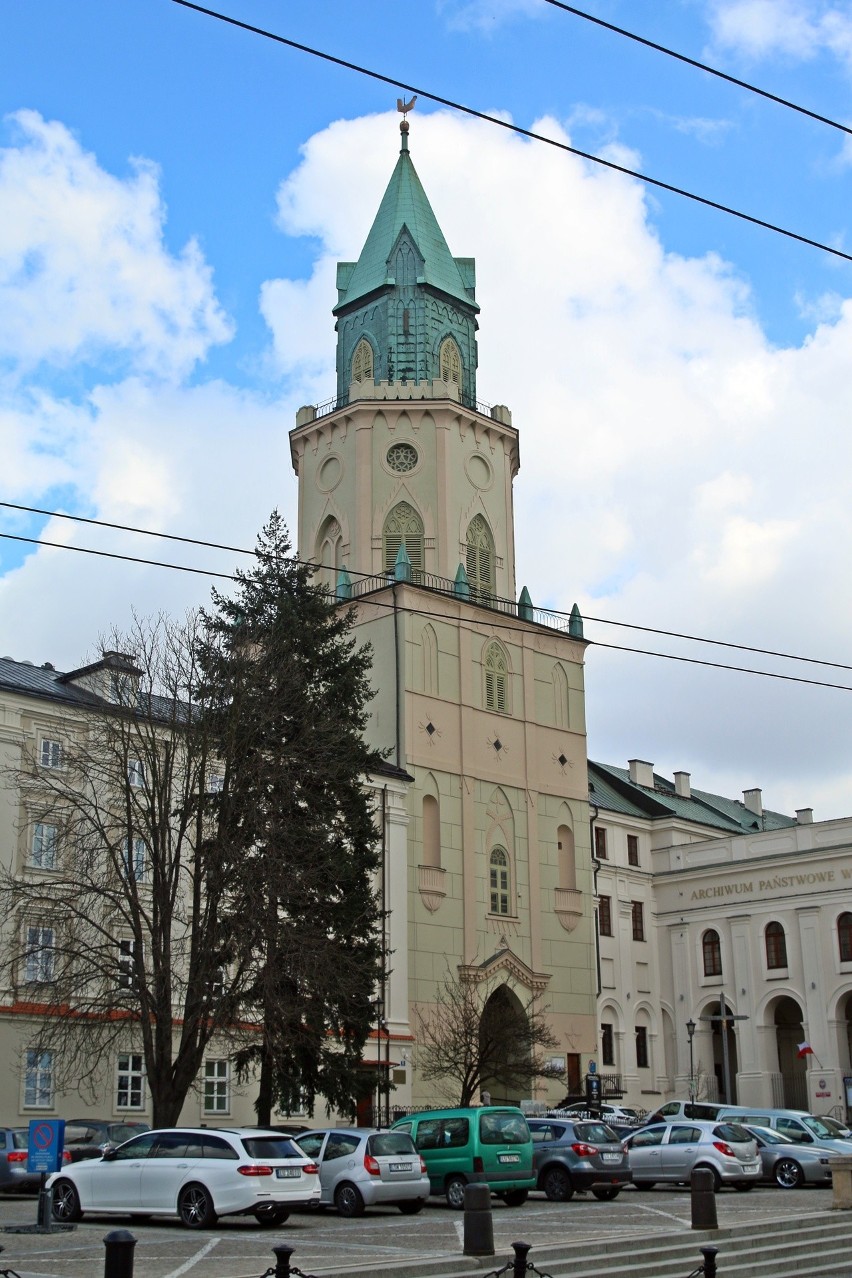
[[197, 1174]]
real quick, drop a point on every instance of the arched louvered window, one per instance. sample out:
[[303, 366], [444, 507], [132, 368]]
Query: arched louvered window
[[362, 361], [844, 937], [776, 945], [480, 557], [498, 877], [449, 359], [496, 679], [403, 524], [711, 948]]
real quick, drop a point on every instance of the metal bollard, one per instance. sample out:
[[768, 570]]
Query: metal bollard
[[521, 1250], [709, 1254], [118, 1260], [282, 1260], [478, 1224], [702, 1188]]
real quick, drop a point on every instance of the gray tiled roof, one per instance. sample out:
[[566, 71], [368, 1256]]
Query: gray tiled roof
[[42, 681]]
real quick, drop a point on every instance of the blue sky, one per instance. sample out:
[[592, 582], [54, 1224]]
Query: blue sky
[[173, 195]]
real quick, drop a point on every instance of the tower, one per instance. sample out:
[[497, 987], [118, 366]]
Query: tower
[[405, 502]]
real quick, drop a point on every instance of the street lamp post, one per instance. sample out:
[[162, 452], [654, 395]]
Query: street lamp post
[[690, 1029]]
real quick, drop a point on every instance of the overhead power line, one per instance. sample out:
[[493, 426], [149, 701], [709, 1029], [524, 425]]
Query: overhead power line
[[700, 66], [397, 84], [496, 620]]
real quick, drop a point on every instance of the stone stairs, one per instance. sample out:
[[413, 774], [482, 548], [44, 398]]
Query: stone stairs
[[815, 1246]]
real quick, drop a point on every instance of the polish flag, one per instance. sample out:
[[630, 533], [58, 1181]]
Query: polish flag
[[805, 1049]]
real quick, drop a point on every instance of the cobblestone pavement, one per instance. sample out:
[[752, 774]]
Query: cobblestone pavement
[[322, 1241]]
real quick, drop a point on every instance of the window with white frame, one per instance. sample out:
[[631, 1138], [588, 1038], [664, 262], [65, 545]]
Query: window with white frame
[[217, 1087], [130, 1081], [40, 954], [50, 753], [133, 855], [499, 879], [127, 978], [215, 782], [135, 773], [43, 846], [38, 1078]]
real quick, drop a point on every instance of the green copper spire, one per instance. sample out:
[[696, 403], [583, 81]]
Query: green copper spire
[[406, 310]]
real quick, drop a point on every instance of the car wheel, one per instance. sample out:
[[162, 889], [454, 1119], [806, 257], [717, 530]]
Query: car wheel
[[717, 1180], [412, 1206], [270, 1214], [557, 1185], [454, 1192], [348, 1200], [607, 1194], [515, 1197], [66, 1201], [644, 1184], [788, 1174], [195, 1208]]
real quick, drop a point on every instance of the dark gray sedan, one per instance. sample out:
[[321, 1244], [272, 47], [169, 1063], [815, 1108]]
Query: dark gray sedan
[[585, 1154], [786, 1163]]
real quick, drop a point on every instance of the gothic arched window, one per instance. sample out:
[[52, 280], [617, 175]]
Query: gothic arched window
[[711, 948], [403, 526], [450, 362], [498, 878], [329, 548], [480, 557], [567, 857], [844, 937], [496, 679], [362, 361], [776, 945], [431, 831]]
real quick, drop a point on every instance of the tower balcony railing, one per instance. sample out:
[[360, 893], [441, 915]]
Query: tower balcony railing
[[332, 405], [364, 586]]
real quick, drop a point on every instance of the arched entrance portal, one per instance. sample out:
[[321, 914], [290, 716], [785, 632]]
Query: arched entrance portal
[[789, 1033], [725, 1082], [503, 1042]]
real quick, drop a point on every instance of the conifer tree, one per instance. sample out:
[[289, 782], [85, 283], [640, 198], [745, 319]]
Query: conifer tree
[[288, 691]]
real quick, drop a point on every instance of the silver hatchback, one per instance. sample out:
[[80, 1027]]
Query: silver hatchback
[[362, 1167], [673, 1151]]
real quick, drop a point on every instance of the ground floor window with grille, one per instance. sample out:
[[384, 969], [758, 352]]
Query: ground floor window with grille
[[217, 1087], [130, 1089], [38, 1079], [607, 1044]]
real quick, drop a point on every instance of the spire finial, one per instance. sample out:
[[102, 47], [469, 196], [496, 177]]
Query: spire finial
[[405, 107]]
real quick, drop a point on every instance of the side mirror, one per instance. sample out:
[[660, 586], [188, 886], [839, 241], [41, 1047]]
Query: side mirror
[[108, 1156]]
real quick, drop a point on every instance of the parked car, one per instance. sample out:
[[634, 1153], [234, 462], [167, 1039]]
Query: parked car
[[13, 1161], [363, 1167], [585, 1154], [490, 1144], [91, 1137], [609, 1113], [801, 1127], [787, 1164], [836, 1128], [671, 1152], [197, 1174], [674, 1110]]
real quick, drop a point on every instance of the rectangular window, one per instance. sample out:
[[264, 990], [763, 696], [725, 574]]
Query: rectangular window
[[130, 1088], [133, 859], [50, 753], [637, 912], [215, 783], [135, 773], [43, 848], [40, 957], [607, 1045], [633, 849], [38, 1078], [217, 1087], [605, 915], [127, 978], [600, 843], [641, 1047]]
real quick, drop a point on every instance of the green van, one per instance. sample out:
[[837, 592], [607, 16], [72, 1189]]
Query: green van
[[489, 1144]]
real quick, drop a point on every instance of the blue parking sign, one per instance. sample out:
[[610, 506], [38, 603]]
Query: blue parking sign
[[45, 1144]]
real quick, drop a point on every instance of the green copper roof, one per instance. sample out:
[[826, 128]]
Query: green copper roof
[[404, 204]]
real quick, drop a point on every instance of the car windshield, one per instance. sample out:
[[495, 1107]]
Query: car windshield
[[503, 1129], [390, 1143], [118, 1132], [770, 1137], [270, 1147], [818, 1127], [595, 1134]]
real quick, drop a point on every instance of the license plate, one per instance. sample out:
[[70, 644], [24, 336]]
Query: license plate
[[509, 1158], [284, 1173], [400, 1167], [752, 1171], [612, 1158]]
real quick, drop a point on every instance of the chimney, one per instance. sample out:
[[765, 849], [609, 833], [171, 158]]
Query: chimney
[[804, 816], [682, 787], [753, 801], [641, 773]]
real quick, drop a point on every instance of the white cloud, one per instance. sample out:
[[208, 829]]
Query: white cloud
[[487, 15], [83, 266], [798, 30]]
